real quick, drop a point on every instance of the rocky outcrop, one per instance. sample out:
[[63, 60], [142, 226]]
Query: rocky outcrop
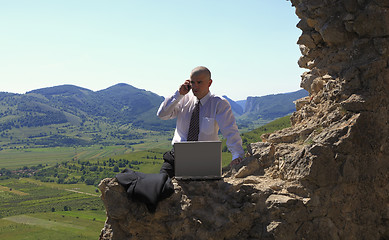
[[326, 177]]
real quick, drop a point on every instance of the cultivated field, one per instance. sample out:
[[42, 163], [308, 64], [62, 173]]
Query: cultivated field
[[30, 209], [16, 158], [64, 225]]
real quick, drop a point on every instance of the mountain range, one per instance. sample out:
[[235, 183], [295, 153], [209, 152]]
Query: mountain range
[[256, 111], [117, 111], [121, 103]]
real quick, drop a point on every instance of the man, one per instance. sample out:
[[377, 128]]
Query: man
[[214, 114]]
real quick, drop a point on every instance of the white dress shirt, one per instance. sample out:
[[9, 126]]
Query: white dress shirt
[[215, 114]]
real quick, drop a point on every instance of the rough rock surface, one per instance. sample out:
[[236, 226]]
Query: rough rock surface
[[326, 177]]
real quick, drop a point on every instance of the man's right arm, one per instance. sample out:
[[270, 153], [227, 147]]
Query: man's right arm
[[169, 107]]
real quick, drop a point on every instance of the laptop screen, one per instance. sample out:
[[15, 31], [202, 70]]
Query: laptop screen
[[198, 160]]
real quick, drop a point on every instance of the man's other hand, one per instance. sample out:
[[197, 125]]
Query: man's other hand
[[185, 88]]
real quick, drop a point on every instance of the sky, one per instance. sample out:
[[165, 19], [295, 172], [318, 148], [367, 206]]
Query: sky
[[249, 46]]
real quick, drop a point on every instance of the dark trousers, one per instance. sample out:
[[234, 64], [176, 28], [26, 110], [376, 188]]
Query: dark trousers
[[168, 165]]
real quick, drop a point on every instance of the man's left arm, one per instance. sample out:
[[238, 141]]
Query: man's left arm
[[226, 121]]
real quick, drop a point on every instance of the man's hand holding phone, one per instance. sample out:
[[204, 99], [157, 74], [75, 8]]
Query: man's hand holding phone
[[185, 88]]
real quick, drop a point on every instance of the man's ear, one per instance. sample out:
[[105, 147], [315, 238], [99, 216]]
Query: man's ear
[[210, 82]]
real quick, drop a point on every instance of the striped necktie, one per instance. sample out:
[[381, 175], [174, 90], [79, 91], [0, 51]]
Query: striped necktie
[[194, 127]]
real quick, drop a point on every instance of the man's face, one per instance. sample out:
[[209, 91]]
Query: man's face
[[200, 84]]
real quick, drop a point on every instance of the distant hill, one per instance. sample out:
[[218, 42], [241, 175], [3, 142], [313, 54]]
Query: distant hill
[[242, 103], [267, 107], [121, 103], [235, 107], [261, 110], [273, 106], [70, 115]]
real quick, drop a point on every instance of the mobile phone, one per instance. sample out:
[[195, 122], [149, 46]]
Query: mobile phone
[[188, 87]]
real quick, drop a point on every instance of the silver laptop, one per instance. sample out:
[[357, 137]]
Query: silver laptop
[[201, 160]]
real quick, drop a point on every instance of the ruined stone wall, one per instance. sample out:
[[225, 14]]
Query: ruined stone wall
[[344, 123], [326, 177]]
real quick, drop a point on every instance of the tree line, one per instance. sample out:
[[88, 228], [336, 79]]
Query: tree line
[[75, 171]]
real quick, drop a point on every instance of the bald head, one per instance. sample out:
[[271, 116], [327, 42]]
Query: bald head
[[200, 80], [200, 70]]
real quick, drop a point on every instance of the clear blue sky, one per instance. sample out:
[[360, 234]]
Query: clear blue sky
[[249, 46]]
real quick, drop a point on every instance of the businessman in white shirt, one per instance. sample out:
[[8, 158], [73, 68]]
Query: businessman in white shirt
[[214, 113]]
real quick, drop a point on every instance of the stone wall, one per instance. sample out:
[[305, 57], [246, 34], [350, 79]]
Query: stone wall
[[326, 177]]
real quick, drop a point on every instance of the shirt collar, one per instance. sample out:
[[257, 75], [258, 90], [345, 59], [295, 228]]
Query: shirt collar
[[205, 98]]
